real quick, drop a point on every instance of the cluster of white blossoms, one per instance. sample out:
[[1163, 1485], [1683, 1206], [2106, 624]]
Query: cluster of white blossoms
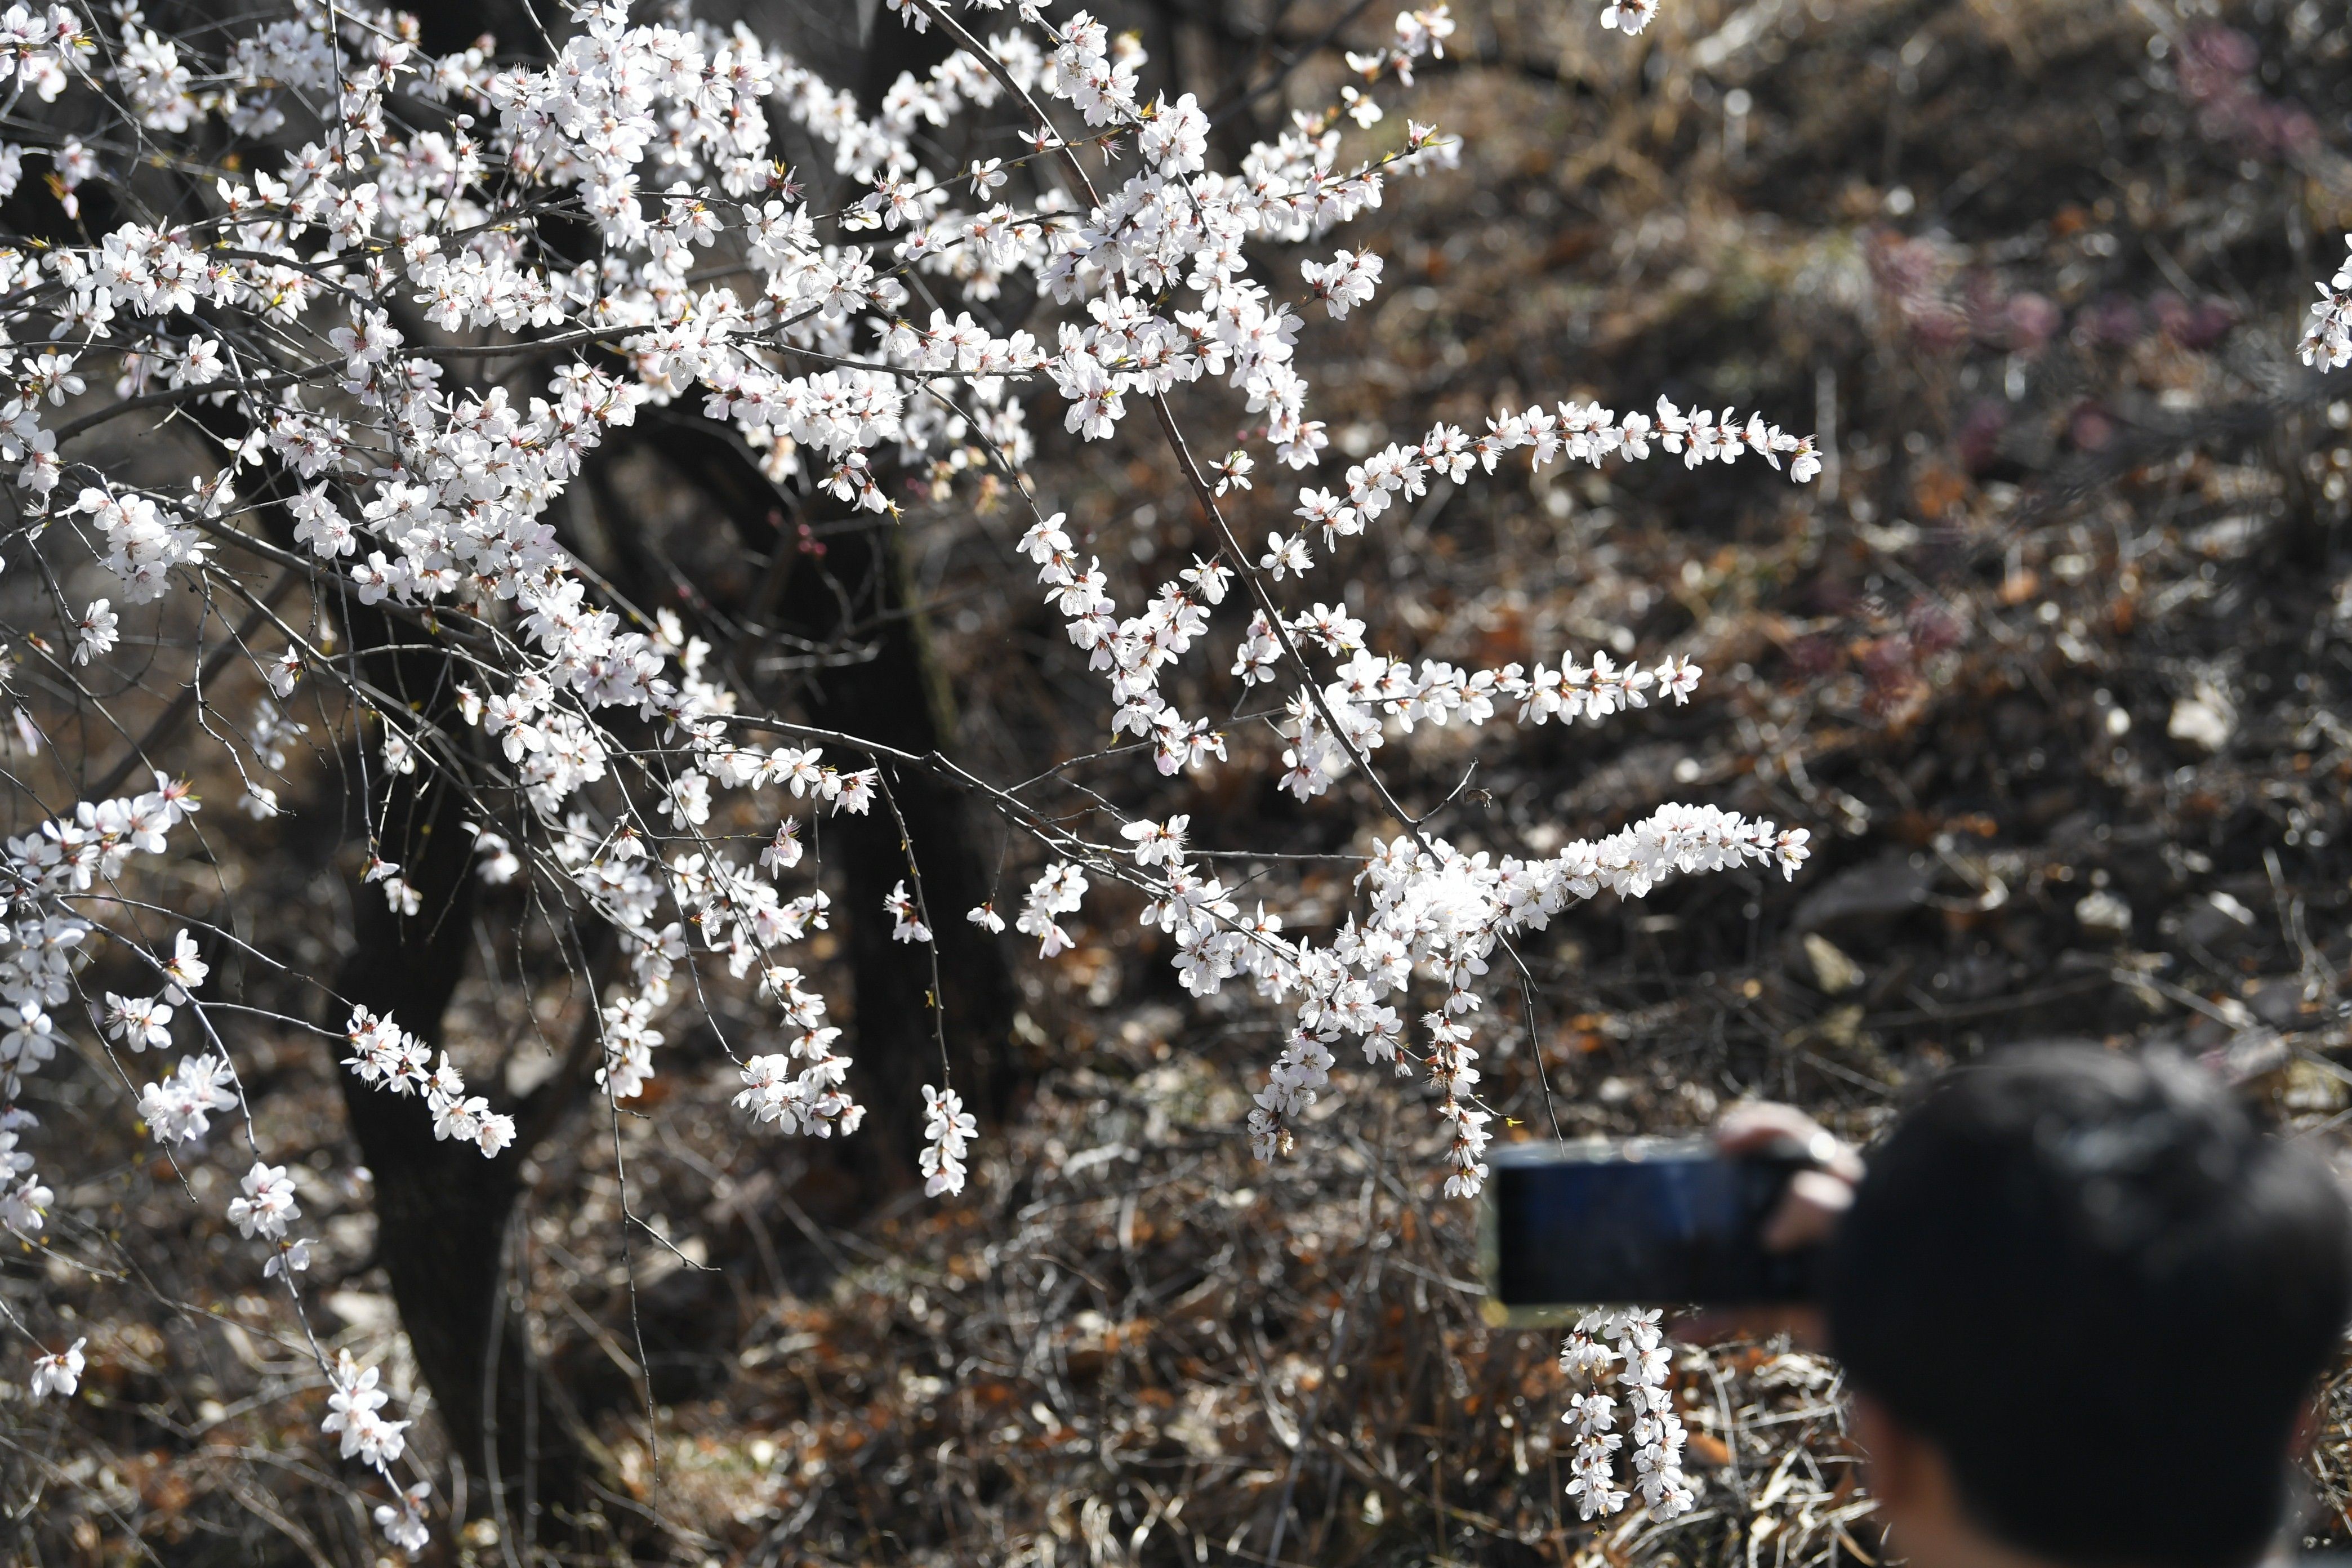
[[384, 1055], [2328, 334], [353, 1414], [325, 308], [1624, 1349], [180, 1108], [1438, 913], [41, 49], [44, 876], [948, 1131], [51, 881]]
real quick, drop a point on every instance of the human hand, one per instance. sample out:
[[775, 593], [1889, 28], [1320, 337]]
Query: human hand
[[1817, 1194]]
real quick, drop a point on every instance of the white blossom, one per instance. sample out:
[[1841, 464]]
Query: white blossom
[[268, 1204], [403, 1523], [138, 1023], [94, 634], [59, 1372], [899, 905]]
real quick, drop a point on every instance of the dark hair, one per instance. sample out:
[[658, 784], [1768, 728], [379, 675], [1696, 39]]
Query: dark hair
[[2102, 1294]]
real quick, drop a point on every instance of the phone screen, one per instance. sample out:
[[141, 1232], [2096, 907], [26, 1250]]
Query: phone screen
[[1645, 1222]]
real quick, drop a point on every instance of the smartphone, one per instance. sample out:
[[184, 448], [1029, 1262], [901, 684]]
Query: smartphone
[[1604, 1222]]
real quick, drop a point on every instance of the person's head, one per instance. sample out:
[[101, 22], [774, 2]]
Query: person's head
[[2083, 1299]]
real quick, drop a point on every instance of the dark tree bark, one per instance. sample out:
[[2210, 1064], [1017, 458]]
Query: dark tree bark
[[445, 1212], [900, 698], [441, 1210], [859, 594]]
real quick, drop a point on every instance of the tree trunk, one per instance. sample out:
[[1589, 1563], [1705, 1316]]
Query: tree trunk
[[860, 593], [441, 1210], [900, 698]]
